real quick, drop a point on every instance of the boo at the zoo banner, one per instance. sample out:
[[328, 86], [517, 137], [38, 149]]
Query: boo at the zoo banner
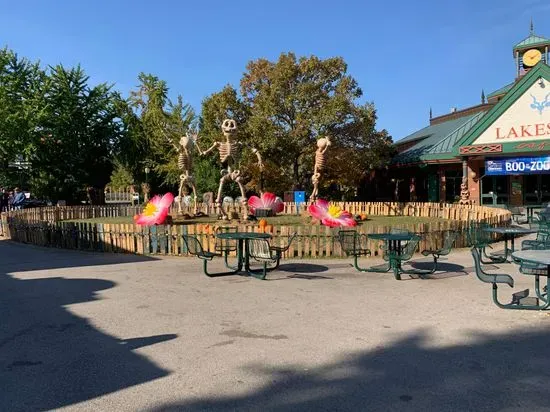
[[517, 165]]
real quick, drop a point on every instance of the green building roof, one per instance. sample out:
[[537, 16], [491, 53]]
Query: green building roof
[[438, 129], [502, 90], [436, 142], [532, 40]]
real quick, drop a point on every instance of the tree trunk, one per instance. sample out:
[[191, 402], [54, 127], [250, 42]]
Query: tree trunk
[[296, 174]]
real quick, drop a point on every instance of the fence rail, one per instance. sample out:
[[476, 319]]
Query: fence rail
[[48, 227], [437, 210]]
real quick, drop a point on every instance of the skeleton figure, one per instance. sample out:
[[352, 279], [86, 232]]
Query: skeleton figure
[[320, 162], [230, 154], [185, 165]]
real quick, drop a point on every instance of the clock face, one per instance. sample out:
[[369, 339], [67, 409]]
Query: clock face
[[531, 57]]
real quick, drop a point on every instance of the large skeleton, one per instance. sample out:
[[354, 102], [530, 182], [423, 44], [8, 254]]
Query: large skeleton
[[185, 166], [230, 155], [320, 162]]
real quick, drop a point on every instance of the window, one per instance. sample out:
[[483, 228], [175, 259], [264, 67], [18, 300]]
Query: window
[[453, 180]]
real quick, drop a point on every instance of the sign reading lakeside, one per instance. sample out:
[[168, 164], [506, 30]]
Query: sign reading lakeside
[[517, 166]]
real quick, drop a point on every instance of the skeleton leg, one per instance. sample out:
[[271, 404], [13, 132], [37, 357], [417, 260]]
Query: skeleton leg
[[192, 184], [219, 208], [183, 180], [315, 180], [236, 175]]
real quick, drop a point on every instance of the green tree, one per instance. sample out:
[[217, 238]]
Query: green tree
[[132, 149], [157, 126], [207, 175], [21, 107], [77, 131], [121, 177], [285, 106]]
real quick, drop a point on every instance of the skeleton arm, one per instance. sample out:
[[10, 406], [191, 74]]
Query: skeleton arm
[[170, 141], [256, 152], [327, 145], [202, 153], [260, 162]]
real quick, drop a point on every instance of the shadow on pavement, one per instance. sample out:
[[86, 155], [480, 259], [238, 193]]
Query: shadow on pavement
[[14, 254], [444, 270], [307, 277], [494, 373], [302, 268], [49, 357], [306, 271]]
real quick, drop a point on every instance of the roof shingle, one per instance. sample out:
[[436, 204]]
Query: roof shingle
[[531, 41], [436, 141], [502, 90]]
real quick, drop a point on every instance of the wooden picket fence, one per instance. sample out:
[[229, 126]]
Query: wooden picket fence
[[47, 227], [438, 210]]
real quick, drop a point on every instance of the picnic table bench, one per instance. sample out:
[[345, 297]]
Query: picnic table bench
[[246, 244], [530, 265], [394, 252]]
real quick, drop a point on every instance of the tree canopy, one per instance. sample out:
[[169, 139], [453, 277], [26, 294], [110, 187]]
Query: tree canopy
[[283, 108], [60, 128], [59, 135]]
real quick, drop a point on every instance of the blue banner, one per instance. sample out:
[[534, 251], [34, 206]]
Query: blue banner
[[517, 166]]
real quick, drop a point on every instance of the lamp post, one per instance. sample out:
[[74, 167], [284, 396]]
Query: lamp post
[[146, 188]]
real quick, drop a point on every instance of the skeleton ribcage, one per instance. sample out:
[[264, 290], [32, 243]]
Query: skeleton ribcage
[[320, 161], [230, 153], [184, 161]]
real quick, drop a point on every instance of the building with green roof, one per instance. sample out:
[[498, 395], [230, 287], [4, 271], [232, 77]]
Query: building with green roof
[[497, 152]]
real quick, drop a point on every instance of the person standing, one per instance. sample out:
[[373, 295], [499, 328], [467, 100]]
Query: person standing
[[10, 200], [18, 199]]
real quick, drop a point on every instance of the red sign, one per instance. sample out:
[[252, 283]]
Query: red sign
[[527, 130]]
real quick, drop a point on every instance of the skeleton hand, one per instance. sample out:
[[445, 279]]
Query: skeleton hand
[[260, 162]]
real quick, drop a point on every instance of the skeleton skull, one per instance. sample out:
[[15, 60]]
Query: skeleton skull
[[323, 142], [186, 141], [229, 127]]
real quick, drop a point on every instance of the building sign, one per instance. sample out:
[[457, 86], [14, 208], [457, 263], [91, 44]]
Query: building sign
[[527, 119], [517, 166], [533, 146], [522, 131]]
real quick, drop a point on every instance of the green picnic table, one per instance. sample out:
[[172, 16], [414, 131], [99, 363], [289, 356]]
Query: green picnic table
[[530, 211], [243, 252], [509, 232], [538, 264], [394, 248]]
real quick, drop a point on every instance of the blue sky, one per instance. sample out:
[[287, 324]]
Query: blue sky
[[406, 56]]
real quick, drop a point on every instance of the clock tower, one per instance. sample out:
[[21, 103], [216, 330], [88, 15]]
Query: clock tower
[[530, 51]]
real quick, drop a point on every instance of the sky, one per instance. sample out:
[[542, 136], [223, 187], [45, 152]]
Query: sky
[[406, 56]]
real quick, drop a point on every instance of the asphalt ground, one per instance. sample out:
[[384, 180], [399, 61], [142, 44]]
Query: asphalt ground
[[111, 332]]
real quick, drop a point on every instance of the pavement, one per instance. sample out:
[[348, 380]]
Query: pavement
[[112, 332]]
